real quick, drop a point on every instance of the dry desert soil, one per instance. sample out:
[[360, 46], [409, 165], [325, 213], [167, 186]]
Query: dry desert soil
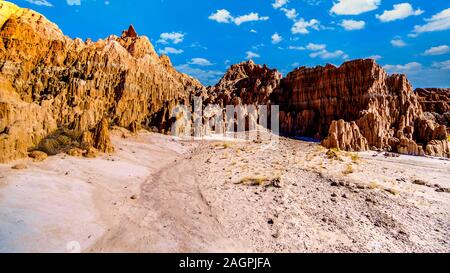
[[158, 194]]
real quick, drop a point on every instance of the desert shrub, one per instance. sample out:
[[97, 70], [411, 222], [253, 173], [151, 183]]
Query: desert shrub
[[348, 170], [59, 142], [254, 181]]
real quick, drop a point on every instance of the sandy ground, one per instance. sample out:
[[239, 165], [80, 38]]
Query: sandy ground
[[159, 195]]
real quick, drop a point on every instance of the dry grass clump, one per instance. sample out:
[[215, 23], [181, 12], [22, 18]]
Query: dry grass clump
[[223, 145], [259, 180], [355, 158], [392, 191], [254, 180], [348, 170], [334, 154], [59, 142]]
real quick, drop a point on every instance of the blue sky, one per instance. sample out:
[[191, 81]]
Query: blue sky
[[203, 37]]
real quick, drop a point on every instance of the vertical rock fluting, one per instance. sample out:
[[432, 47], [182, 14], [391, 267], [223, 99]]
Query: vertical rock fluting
[[49, 81], [436, 103], [244, 84], [374, 110]]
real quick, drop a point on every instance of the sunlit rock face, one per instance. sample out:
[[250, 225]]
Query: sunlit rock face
[[436, 104], [49, 81], [357, 106]]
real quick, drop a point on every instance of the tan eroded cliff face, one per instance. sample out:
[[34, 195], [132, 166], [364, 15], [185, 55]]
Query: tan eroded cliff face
[[357, 106], [244, 84], [436, 103], [49, 81]]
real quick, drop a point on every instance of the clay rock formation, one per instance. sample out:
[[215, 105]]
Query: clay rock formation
[[244, 84], [377, 110], [102, 140], [436, 103], [49, 81], [346, 136]]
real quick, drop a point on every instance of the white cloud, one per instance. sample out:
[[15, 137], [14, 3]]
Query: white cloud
[[400, 11], [437, 50], [438, 75], [253, 16], [276, 38], [352, 24], [290, 13], [296, 48], [296, 64], [438, 22], [279, 3], [40, 3], [221, 16], [354, 7], [315, 47], [200, 61], [207, 77], [397, 42], [251, 55], [325, 54], [445, 65], [174, 37], [375, 57], [224, 16], [253, 31], [170, 50], [301, 26], [409, 68], [78, 2], [319, 50]]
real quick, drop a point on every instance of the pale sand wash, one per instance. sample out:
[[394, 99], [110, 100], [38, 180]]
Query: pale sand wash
[[159, 195]]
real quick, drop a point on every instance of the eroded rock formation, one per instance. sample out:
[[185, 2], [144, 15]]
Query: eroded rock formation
[[49, 81], [245, 83], [436, 104], [375, 110]]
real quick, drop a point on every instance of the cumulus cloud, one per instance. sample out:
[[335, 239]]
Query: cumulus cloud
[[224, 16], [354, 7], [276, 38], [174, 37], [290, 13], [279, 3], [296, 48], [397, 42], [200, 62], [438, 22], [301, 26], [437, 50], [400, 11], [409, 68], [251, 55], [253, 16], [221, 16], [437, 75], [207, 77], [445, 65], [319, 50], [40, 3], [170, 50], [352, 24], [325, 54], [375, 57], [314, 47]]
